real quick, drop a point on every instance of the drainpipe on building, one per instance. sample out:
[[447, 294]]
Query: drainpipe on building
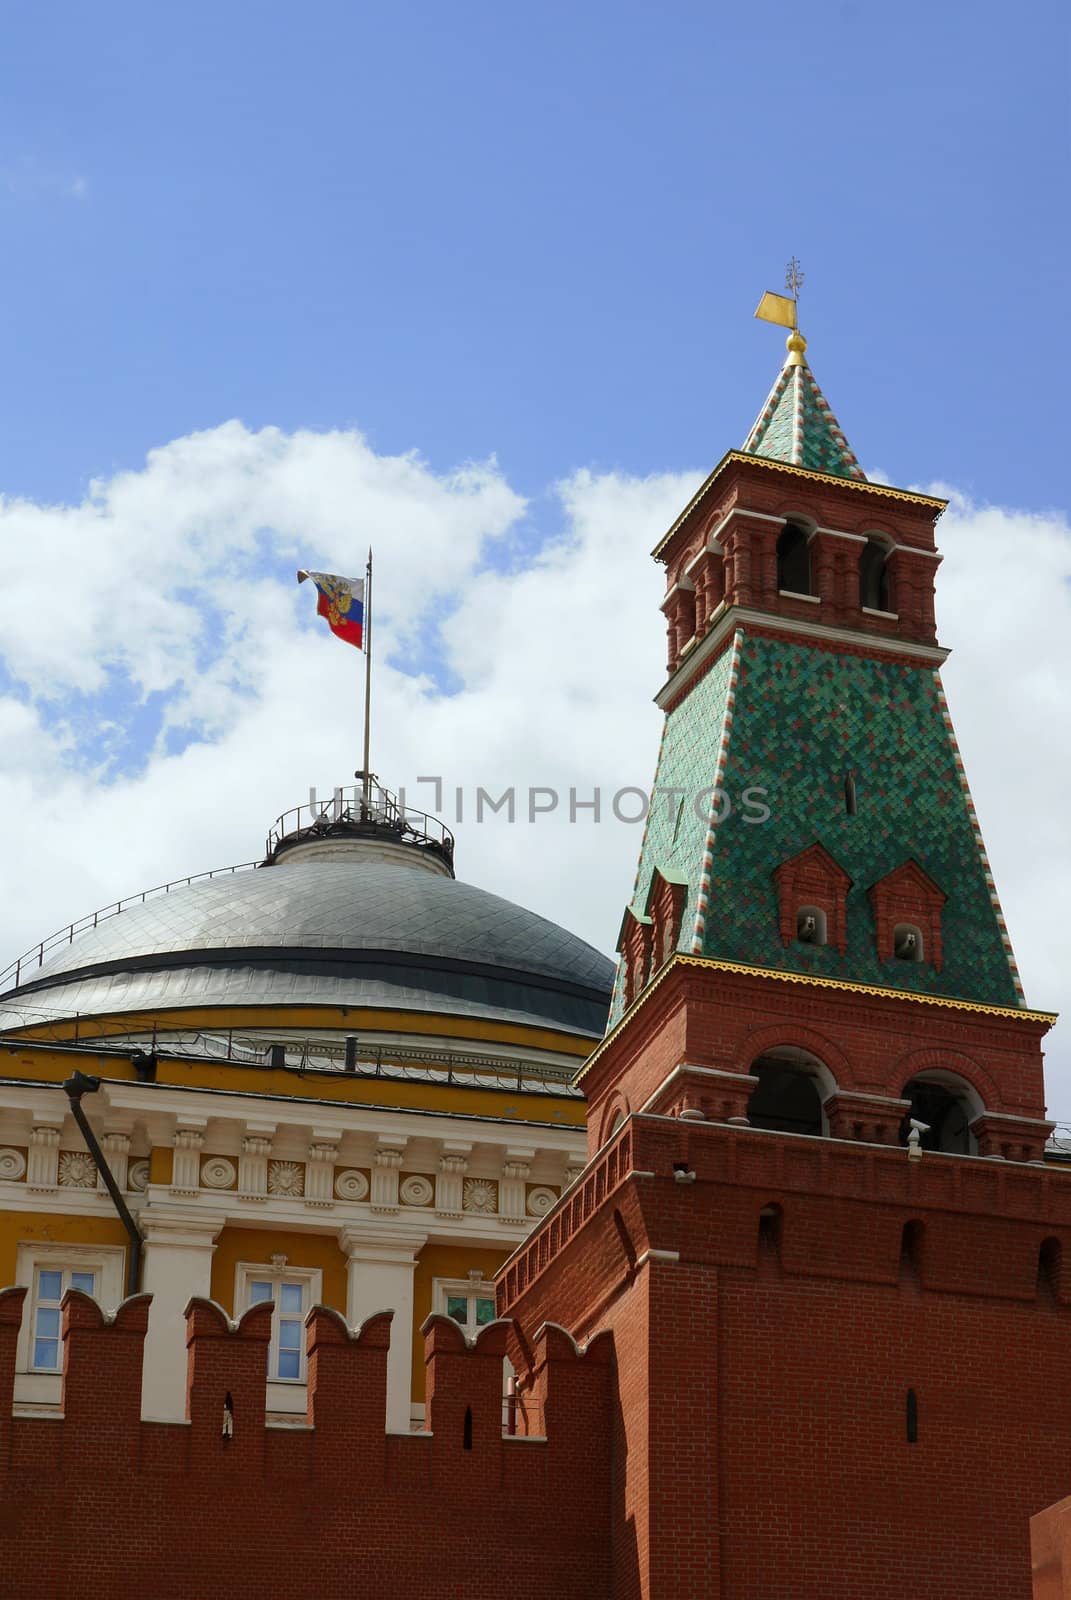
[[78, 1084]]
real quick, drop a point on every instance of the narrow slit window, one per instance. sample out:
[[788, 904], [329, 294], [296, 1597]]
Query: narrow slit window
[[912, 1417], [1049, 1271], [770, 1230], [850, 799]]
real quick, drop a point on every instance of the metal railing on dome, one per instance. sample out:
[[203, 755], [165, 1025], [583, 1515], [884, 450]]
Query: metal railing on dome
[[299, 1056], [351, 811], [35, 957]]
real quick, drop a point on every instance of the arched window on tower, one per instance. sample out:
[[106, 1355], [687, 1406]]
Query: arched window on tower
[[908, 942], [787, 1098], [874, 577], [793, 560], [811, 925]]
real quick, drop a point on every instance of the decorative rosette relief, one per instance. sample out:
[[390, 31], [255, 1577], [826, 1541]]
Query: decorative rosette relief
[[218, 1173], [480, 1195], [286, 1178], [541, 1199], [77, 1170], [416, 1190], [12, 1165], [351, 1185], [137, 1176]]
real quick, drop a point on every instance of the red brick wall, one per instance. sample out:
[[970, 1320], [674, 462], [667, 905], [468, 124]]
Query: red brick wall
[[761, 1399], [103, 1504]]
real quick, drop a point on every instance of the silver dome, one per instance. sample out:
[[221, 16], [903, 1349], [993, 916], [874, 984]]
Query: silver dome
[[330, 933]]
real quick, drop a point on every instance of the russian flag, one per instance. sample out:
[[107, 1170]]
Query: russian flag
[[341, 601]]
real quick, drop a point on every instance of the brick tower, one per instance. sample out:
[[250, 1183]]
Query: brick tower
[[815, 1216]]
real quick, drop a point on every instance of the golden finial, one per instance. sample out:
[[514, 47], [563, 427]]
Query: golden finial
[[784, 309], [796, 345]]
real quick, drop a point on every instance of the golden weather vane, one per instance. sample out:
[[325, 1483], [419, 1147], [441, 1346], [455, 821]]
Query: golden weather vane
[[783, 309]]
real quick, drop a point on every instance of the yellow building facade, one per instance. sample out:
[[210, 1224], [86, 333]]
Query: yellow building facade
[[337, 1075]]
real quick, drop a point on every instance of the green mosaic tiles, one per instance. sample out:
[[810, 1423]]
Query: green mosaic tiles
[[676, 829], [797, 426], [803, 718]]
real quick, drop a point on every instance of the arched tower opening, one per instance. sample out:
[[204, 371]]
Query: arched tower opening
[[790, 1094], [947, 1106]]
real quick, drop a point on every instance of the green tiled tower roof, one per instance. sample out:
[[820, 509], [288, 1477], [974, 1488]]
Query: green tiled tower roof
[[774, 725], [796, 425]]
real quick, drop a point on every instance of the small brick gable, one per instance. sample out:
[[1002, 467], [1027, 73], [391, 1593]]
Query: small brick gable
[[908, 895], [665, 907], [813, 878]]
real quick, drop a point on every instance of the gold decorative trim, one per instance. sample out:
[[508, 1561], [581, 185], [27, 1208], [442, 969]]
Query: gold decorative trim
[[883, 489], [636, 1006], [978, 1007]]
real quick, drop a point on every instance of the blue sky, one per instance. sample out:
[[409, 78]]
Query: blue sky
[[277, 276], [534, 231]]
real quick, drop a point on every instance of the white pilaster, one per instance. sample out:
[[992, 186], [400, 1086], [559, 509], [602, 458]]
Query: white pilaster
[[42, 1159], [385, 1164], [382, 1262], [511, 1185], [449, 1185], [177, 1264], [186, 1161], [320, 1170], [253, 1162], [116, 1147]]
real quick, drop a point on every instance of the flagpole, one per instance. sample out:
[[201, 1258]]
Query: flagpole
[[367, 679]]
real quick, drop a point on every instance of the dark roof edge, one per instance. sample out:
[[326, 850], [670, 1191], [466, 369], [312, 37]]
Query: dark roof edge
[[294, 958]]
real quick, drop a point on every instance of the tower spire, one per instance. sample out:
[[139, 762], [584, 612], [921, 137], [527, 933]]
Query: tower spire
[[796, 424]]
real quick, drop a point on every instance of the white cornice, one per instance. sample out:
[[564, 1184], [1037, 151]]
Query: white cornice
[[836, 533], [913, 550]]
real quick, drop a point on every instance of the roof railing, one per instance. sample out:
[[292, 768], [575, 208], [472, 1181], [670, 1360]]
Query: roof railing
[[34, 959], [407, 1063], [353, 812]]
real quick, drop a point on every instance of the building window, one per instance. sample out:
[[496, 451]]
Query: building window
[[47, 1271], [292, 1292], [50, 1285], [470, 1303]]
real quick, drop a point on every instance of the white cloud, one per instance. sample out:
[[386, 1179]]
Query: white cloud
[[178, 579]]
